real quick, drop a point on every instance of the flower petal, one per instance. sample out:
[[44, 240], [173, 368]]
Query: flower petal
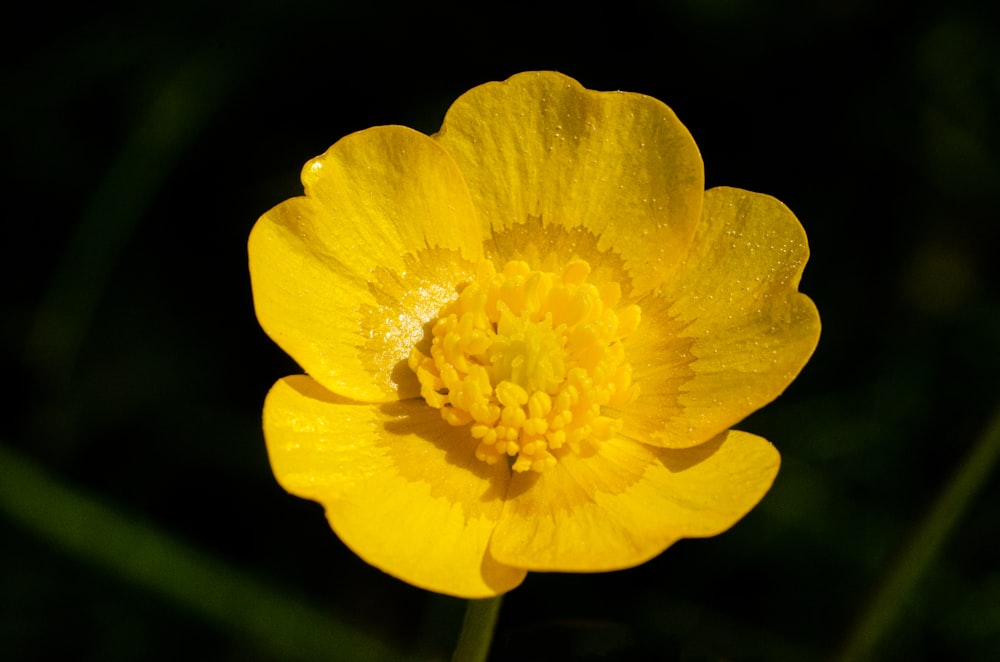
[[400, 486], [620, 165], [380, 205], [729, 331], [628, 502]]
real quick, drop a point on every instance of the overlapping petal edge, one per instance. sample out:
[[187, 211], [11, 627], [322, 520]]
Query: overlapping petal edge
[[535, 168]]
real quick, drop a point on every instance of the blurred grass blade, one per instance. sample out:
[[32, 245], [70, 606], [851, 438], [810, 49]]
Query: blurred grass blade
[[925, 546], [139, 553]]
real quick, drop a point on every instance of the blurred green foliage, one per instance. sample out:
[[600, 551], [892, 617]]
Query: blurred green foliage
[[138, 515]]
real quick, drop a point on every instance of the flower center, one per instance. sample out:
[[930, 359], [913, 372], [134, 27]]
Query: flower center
[[529, 360]]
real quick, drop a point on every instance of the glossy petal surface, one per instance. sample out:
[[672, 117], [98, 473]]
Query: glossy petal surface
[[398, 489], [730, 330], [627, 502], [541, 147], [317, 263]]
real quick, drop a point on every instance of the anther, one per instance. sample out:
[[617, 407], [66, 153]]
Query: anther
[[527, 359]]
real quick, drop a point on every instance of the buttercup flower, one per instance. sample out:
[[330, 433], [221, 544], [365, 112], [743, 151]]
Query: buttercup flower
[[526, 337]]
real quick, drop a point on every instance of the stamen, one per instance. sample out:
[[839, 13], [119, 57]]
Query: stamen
[[529, 359]]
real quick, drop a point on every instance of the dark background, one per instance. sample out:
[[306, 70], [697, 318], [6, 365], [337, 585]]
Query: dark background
[[139, 518]]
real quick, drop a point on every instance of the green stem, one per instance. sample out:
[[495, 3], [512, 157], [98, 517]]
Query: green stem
[[924, 547], [477, 630]]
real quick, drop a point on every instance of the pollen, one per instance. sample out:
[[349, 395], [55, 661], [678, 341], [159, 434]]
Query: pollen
[[532, 362]]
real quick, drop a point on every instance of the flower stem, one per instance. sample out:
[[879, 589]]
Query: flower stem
[[930, 536], [477, 630]]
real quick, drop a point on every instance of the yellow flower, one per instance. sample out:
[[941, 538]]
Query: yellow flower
[[526, 337]]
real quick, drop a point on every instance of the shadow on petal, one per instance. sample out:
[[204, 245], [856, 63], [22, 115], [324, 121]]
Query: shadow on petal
[[413, 418], [683, 459]]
